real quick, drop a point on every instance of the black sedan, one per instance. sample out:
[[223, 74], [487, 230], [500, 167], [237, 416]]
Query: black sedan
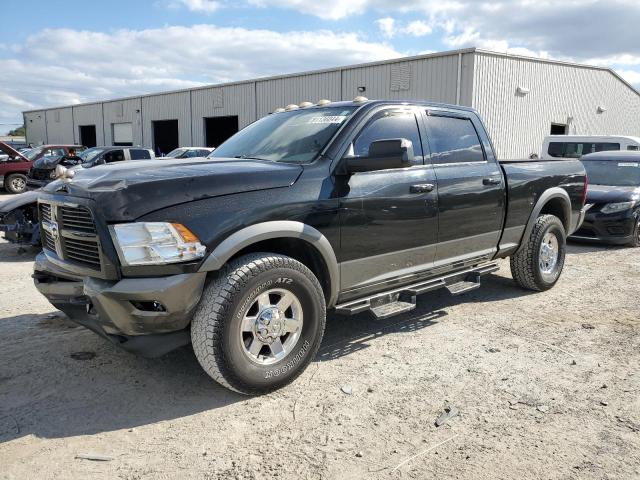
[[613, 198]]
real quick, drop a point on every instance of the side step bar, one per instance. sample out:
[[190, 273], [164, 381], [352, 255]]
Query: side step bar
[[403, 299]]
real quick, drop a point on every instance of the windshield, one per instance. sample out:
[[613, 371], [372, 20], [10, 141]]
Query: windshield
[[177, 153], [33, 153], [90, 154], [614, 173], [297, 136]]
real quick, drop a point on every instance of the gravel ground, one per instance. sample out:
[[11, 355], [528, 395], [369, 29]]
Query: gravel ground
[[546, 386]]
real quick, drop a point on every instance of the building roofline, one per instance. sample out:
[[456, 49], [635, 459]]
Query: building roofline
[[346, 67]]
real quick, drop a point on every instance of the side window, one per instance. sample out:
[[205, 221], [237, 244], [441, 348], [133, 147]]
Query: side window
[[139, 154], [114, 156], [203, 153], [556, 149], [191, 154], [453, 140], [633, 148], [606, 147], [387, 125], [573, 150]]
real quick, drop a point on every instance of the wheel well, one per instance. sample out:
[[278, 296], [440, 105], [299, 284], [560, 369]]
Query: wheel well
[[298, 249], [556, 206]]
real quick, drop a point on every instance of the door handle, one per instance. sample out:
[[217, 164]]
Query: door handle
[[491, 181], [422, 188]]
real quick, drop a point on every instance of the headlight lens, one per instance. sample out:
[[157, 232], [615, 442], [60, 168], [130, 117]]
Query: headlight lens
[[617, 207], [52, 174], [156, 243]]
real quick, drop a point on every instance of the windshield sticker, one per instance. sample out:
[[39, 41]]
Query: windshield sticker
[[327, 119], [628, 164]]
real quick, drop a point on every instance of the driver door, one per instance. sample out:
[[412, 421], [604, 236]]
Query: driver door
[[388, 218]]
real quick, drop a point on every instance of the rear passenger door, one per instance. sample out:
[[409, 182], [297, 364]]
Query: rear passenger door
[[471, 190]]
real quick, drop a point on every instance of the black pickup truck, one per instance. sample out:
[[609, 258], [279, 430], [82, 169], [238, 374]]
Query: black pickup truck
[[346, 206]]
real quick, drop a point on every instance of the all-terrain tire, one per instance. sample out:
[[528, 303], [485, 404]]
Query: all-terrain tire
[[526, 266], [15, 183], [221, 346]]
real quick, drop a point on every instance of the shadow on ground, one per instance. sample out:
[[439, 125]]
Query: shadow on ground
[[45, 392], [11, 253]]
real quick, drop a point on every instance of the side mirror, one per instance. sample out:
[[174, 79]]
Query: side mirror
[[383, 155]]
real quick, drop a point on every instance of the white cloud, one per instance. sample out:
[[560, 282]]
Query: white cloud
[[203, 6], [61, 66], [418, 28], [329, 9], [387, 26]]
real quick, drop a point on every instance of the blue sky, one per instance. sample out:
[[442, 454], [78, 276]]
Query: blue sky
[[59, 53]]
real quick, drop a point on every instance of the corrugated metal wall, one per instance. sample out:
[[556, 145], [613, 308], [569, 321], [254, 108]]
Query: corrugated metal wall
[[559, 93], [169, 106], [88, 115], [123, 111], [36, 127], [59, 125], [223, 101]]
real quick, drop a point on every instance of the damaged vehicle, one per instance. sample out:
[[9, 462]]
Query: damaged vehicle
[[345, 206], [14, 166], [19, 215]]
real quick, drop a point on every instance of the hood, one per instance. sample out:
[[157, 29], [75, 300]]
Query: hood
[[11, 152], [611, 194], [128, 190], [49, 163], [18, 201]]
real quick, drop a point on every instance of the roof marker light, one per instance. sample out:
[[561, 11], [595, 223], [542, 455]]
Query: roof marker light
[[290, 107], [323, 102], [305, 104], [279, 110], [360, 99]]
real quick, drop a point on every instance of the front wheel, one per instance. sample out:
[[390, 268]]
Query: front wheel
[[538, 264], [259, 323], [15, 183], [635, 241]]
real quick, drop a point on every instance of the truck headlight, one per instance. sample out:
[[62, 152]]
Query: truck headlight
[[155, 243], [617, 207], [53, 175]]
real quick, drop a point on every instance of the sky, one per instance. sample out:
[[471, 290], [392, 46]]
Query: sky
[[66, 52]]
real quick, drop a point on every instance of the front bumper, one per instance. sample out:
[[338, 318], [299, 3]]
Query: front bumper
[[148, 316], [615, 229]]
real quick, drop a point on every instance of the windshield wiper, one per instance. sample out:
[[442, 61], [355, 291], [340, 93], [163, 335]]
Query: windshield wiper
[[247, 157]]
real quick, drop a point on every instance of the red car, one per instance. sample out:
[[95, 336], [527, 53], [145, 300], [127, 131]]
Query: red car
[[14, 168]]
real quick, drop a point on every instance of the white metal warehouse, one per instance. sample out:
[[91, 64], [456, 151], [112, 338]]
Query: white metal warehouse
[[520, 98]]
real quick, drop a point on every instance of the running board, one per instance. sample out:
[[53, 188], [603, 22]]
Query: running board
[[403, 299]]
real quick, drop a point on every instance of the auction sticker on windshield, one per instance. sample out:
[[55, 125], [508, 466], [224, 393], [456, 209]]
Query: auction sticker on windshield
[[328, 119]]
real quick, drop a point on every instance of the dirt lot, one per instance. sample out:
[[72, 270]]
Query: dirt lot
[[546, 385]]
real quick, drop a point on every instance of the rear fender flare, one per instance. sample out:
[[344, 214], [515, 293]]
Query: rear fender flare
[[271, 230], [543, 200]]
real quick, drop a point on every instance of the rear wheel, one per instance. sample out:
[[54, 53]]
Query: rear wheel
[[259, 323], [15, 183], [538, 264]]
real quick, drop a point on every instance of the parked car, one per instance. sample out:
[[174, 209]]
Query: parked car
[[351, 206], [613, 199], [575, 146], [44, 169], [19, 215], [14, 171], [189, 152]]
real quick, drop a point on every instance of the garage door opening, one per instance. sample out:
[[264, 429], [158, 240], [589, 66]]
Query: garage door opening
[[88, 136], [165, 136], [218, 129]]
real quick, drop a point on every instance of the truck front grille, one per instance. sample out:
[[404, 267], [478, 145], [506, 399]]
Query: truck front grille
[[69, 231]]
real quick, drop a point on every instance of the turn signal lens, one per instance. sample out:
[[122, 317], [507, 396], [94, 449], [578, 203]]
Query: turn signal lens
[[187, 235]]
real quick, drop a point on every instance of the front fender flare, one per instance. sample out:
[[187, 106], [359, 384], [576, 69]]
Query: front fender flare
[[277, 229]]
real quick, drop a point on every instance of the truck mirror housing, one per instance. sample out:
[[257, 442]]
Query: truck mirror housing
[[383, 155]]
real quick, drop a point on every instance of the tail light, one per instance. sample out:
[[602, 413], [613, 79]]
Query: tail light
[[584, 192]]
